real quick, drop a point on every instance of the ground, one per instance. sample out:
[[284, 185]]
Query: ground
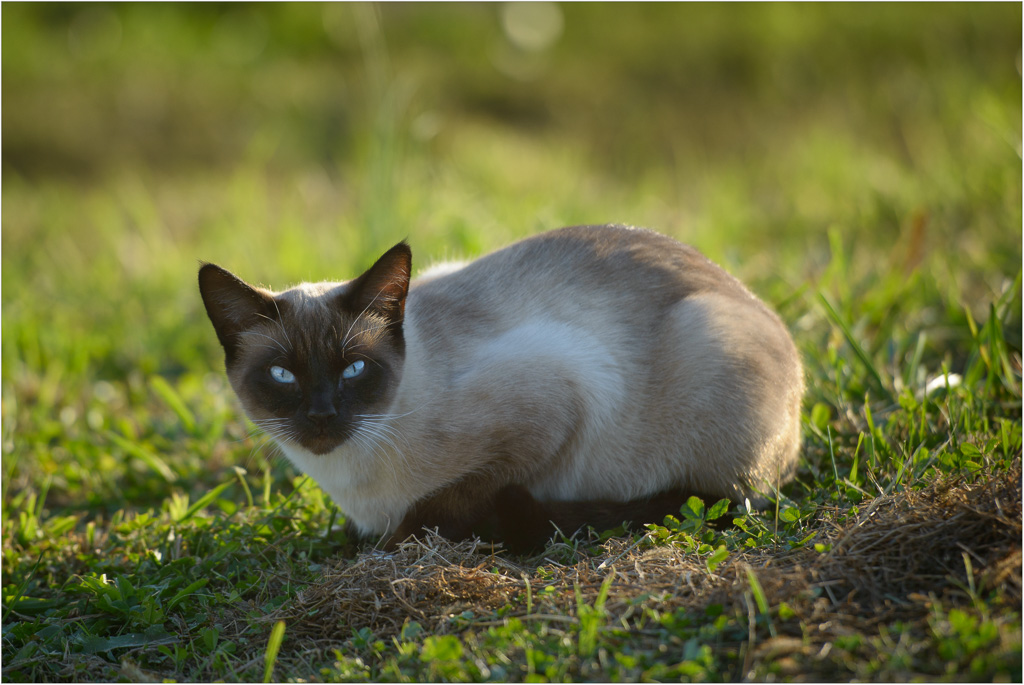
[[859, 168]]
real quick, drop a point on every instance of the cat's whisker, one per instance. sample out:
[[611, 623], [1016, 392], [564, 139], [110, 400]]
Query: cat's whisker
[[276, 342], [384, 429], [268, 347], [275, 432], [277, 321], [378, 328], [262, 442], [371, 444], [381, 435], [272, 421], [277, 428], [344, 340], [250, 434], [369, 359], [282, 434], [390, 416], [385, 424], [275, 452]]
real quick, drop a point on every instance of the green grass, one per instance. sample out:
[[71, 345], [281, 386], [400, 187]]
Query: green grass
[[860, 168]]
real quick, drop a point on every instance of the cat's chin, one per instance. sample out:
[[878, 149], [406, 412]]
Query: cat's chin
[[322, 445]]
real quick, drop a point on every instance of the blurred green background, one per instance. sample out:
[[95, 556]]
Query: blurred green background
[[869, 152]]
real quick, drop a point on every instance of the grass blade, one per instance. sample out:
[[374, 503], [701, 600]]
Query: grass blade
[[203, 501], [169, 395], [185, 592], [240, 473], [757, 591], [856, 346], [760, 599], [273, 646], [151, 460]]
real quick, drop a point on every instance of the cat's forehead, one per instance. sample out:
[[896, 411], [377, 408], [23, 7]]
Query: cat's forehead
[[313, 319], [314, 306], [312, 294]]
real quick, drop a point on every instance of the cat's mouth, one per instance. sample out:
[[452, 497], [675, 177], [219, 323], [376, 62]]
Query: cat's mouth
[[324, 441]]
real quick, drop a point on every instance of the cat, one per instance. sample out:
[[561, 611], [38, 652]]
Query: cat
[[590, 375]]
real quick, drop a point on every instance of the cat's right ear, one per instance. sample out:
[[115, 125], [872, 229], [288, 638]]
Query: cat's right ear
[[233, 305], [383, 287]]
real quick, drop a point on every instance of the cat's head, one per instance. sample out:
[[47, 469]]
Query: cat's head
[[309, 363]]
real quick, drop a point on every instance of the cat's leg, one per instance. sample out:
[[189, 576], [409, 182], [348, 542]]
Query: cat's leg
[[508, 515], [457, 511], [522, 524]]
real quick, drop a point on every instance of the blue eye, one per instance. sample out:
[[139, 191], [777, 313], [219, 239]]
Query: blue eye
[[353, 369], [281, 375]]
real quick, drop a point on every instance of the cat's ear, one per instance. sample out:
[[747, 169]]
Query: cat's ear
[[383, 287], [233, 305]]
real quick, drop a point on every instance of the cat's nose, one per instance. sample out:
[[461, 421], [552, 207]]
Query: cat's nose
[[322, 413]]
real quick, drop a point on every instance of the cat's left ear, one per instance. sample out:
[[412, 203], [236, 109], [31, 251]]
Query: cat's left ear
[[233, 305], [383, 287]]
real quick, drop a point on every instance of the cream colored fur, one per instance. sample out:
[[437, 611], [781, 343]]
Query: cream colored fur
[[586, 363]]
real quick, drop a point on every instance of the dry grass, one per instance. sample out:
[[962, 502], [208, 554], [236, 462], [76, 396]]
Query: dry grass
[[916, 543], [901, 556], [904, 557]]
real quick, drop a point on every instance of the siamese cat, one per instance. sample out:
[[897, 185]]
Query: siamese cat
[[591, 375]]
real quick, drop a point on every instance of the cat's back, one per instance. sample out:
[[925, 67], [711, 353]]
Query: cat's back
[[661, 352], [568, 273]]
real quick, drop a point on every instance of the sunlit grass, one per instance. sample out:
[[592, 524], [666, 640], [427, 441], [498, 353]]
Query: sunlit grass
[[864, 180]]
